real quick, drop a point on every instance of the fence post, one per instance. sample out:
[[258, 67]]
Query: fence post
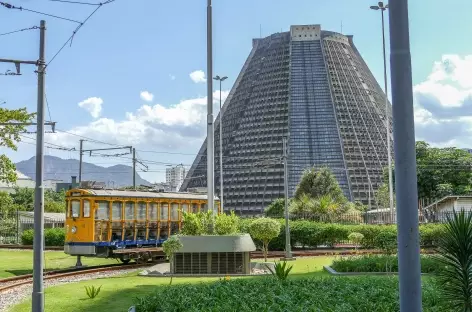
[[17, 226]]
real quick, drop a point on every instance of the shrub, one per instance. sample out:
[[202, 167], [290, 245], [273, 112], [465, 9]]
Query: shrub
[[313, 234], [264, 229], [52, 237], [226, 224], [356, 238], [27, 237], [378, 294], [379, 263], [194, 224]]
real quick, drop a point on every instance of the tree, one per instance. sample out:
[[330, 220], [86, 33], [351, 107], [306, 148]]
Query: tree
[[302, 206], [383, 196], [6, 203], [264, 229], [9, 135], [276, 208], [52, 206], [170, 247], [317, 183], [226, 224], [24, 198], [441, 171]]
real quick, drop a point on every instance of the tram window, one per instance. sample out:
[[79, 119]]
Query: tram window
[[67, 209], [75, 207], [103, 213], [116, 213], [164, 211], [152, 212], [174, 211], [129, 211], [203, 207], [184, 207], [194, 208], [141, 215], [86, 208]]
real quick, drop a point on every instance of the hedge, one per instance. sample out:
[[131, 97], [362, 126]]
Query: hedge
[[313, 234], [52, 237]]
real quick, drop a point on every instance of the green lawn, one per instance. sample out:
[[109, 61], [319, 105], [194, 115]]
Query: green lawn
[[117, 293], [18, 262]]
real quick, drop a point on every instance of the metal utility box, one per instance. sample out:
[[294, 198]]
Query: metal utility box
[[220, 255]]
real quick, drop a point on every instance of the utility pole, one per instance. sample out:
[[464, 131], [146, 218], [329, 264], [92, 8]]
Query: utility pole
[[221, 79], [405, 159], [210, 134], [383, 8], [81, 153], [134, 168], [288, 248], [38, 241]]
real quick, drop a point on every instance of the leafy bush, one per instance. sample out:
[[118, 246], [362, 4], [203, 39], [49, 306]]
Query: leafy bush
[[356, 238], [52, 237], [313, 234], [264, 229], [226, 224], [333, 294], [379, 263], [27, 237], [171, 246]]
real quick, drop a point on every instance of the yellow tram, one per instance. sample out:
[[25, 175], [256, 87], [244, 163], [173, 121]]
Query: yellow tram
[[113, 223]]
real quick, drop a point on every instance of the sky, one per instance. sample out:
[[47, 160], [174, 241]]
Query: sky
[[135, 73]]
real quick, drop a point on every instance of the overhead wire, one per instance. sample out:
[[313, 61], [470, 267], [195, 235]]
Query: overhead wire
[[9, 6], [19, 30]]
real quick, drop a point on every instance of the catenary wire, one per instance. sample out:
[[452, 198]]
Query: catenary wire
[[19, 30]]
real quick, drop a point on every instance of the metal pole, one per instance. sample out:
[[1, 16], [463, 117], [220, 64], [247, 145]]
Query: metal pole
[[38, 242], [387, 122], [134, 168], [288, 248], [221, 153], [80, 160], [405, 159], [210, 134]]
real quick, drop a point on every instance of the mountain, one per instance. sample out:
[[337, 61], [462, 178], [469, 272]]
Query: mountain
[[62, 169]]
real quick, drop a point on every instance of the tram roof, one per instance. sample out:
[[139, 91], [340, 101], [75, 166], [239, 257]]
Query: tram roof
[[118, 193]]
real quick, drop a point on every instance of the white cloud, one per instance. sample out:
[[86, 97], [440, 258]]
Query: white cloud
[[172, 77], [156, 126], [146, 96], [93, 105], [198, 76], [443, 103]]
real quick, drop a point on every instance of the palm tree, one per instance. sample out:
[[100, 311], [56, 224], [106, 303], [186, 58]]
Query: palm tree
[[326, 206], [455, 250]]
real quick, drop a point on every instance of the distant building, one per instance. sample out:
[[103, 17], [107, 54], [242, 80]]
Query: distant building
[[313, 87], [162, 187], [175, 177], [21, 181], [51, 184], [450, 203], [67, 186], [51, 220]]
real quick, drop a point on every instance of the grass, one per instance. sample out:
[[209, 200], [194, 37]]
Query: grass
[[19, 262], [119, 293]]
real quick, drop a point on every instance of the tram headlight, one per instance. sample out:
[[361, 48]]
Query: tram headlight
[[73, 230]]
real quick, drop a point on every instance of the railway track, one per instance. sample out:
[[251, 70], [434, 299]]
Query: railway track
[[12, 282]]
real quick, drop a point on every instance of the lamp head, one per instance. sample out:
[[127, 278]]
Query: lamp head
[[374, 7], [224, 78], [217, 77]]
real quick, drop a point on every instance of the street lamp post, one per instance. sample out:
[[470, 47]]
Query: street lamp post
[[382, 8], [221, 79], [210, 134]]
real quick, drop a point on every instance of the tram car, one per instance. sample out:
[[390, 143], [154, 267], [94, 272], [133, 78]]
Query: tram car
[[125, 225]]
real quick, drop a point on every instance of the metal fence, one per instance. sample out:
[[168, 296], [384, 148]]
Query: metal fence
[[13, 224]]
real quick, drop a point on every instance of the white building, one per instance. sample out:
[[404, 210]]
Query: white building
[[439, 210], [175, 177], [21, 181], [162, 187]]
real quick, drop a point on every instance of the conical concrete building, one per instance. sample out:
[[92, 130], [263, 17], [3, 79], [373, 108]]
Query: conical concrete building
[[313, 87]]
